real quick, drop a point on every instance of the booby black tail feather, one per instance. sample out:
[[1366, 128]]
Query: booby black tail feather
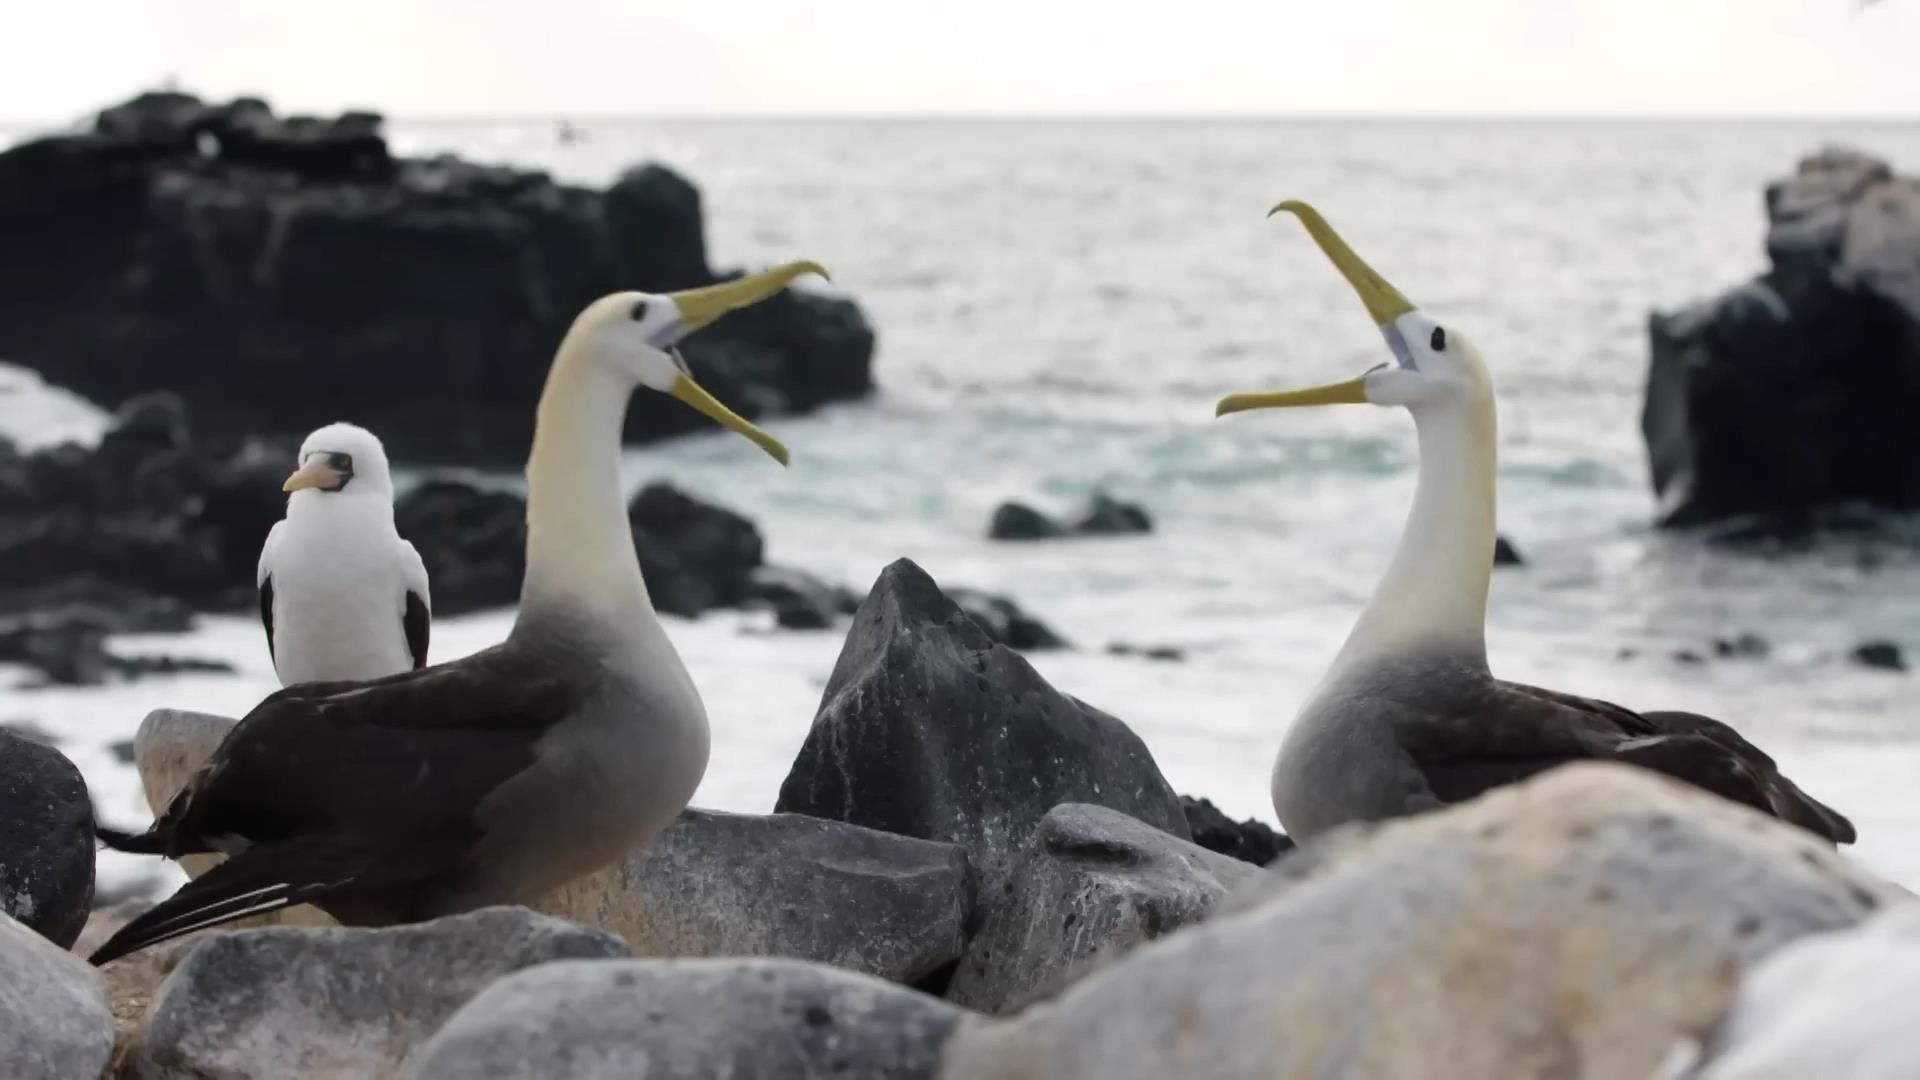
[[260, 881]]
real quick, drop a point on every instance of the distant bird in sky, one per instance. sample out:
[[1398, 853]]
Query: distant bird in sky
[[342, 596]]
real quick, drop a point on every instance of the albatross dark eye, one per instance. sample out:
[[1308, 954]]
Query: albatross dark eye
[[639, 312], [1439, 339]]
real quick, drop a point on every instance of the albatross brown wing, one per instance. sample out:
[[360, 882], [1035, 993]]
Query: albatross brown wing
[[357, 797], [1501, 731]]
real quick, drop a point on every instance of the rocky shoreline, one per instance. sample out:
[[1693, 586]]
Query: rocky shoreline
[[984, 877]]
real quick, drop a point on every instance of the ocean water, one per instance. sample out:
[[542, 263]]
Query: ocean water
[[1060, 303]]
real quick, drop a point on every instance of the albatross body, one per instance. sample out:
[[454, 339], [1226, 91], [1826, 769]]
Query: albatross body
[[342, 596], [1409, 717], [500, 776]]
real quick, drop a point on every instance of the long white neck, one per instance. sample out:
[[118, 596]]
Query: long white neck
[[580, 554], [1434, 594]]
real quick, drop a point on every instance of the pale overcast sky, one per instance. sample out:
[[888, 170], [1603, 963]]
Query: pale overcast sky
[[61, 58]]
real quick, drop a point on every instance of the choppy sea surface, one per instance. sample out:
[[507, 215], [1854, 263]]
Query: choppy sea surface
[[1059, 303]]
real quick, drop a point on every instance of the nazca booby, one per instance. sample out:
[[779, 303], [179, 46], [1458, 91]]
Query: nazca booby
[[1408, 717], [497, 777], [342, 596]]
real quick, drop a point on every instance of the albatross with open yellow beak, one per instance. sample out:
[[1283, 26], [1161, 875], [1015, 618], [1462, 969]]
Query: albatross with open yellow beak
[[494, 778], [1409, 717]]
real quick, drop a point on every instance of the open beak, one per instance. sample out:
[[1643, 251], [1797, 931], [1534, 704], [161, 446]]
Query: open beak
[[1382, 300], [314, 474], [701, 307]]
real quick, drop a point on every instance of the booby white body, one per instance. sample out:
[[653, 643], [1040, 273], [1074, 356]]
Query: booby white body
[[334, 574]]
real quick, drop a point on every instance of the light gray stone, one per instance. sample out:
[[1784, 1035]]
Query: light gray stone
[[787, 885], [1092, 884], [55, 1023], [672, 1019], [1839, 1004], [322, 1003], [1578, 924]]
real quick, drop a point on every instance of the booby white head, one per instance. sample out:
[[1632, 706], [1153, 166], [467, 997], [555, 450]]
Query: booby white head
[[340, 459], [1434, 595], [342, 596]]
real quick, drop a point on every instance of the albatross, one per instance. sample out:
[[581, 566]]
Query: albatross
[[494, 778], [1409, 717], [342, 596]]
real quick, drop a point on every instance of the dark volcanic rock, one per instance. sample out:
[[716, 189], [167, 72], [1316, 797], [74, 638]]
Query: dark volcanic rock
[[1884, 655], [472, 540], [280, 273], [1797, 391], [929, 729], [694, 555], [1505, 554], [1005, 622], [46, 840], [1018, 521], [1745, 645], [1109, 516], [800, 601], [1104, 516], [740, 1018], [1249, 841], [1092, 884]]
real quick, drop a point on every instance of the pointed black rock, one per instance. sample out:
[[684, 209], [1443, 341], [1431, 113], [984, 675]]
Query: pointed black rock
[[929, 729], [46, 840]]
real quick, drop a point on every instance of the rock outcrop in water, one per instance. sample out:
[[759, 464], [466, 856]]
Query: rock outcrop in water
[[1797, 390], [282, 273]]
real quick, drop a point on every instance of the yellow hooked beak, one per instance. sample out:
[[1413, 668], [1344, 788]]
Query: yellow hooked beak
[[701, 307], [314, 474], [1383, 302]]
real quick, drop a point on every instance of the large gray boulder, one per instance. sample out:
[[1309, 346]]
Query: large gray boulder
[[1092, 884], [1796, 391], [783, 885], [55, 1023], [46, 840], [929, 729], [1839, 1004], [1577, 924], [288, 1001], [674, 1019]]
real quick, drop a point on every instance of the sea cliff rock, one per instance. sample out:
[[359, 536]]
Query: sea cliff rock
[[1577, 924], [54, 1020], [46, 840], [927, 728], [339, 1002], [1103, 516], [1796, 391], [742, 1019], [281, 273]]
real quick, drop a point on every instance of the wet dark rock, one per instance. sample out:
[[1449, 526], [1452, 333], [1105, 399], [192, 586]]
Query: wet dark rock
[[928, 728], [1018, 521], [1689, 657], [1250, 841], [799, 600], [1149, 652], [1796, 391], [46, 840], [1104, 516], [473, 541], [1505, 554], [1745, 645], [67, 646], [282, 272], [288, 1001], [1108, 516], [1091, 884], [1005, 621], [751, 1019], [694, 555], [1884, 655]]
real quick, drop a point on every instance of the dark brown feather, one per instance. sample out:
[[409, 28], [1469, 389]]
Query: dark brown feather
[[418, 622], [266, 611]]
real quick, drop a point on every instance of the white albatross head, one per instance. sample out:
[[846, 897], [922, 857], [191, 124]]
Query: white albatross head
[[341, 459], [632, 336], [1433, 366]]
